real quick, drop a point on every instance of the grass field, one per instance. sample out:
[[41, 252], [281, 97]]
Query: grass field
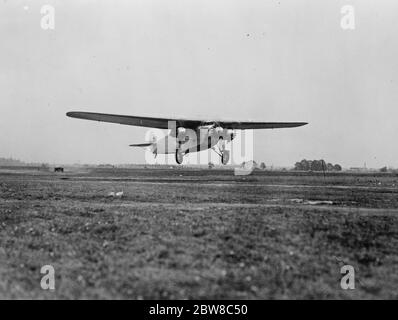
[[183, 233]]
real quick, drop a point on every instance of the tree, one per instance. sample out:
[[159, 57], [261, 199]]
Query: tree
[[337, 167], [384, 169], [317, 165], [305, 165], [262, 166]]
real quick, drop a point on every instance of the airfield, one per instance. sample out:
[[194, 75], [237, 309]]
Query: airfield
[[197, 234]]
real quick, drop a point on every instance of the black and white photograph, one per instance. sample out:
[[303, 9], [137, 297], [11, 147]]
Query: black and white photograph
[[213, 152]]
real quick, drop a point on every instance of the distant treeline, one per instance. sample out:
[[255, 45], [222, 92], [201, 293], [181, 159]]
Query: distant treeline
[[316, 165], [10, 162]]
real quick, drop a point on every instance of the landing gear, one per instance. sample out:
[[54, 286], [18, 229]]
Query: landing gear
[[224, 154], [179, 156], [225, 157]]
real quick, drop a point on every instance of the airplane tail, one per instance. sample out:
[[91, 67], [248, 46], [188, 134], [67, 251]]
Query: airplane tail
[[151, 145], [142, 145]]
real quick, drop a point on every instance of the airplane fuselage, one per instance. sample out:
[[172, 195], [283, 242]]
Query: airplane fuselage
[[193, 140]]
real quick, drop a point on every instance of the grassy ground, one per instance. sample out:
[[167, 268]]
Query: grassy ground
[[198, 234]]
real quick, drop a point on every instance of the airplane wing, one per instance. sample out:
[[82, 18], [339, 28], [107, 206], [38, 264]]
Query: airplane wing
[[163, 123], [160, 123], [259, 125]]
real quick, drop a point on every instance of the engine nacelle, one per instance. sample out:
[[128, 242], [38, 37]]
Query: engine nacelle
[[181, 130], [181, 134]]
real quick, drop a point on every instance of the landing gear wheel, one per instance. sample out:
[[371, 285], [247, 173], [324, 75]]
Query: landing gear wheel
[[179, 156], [225, 157]]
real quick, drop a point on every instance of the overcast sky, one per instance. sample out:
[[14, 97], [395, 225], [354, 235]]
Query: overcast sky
[[259, 60]]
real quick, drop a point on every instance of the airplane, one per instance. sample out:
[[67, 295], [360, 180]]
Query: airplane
[[186, 135]]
